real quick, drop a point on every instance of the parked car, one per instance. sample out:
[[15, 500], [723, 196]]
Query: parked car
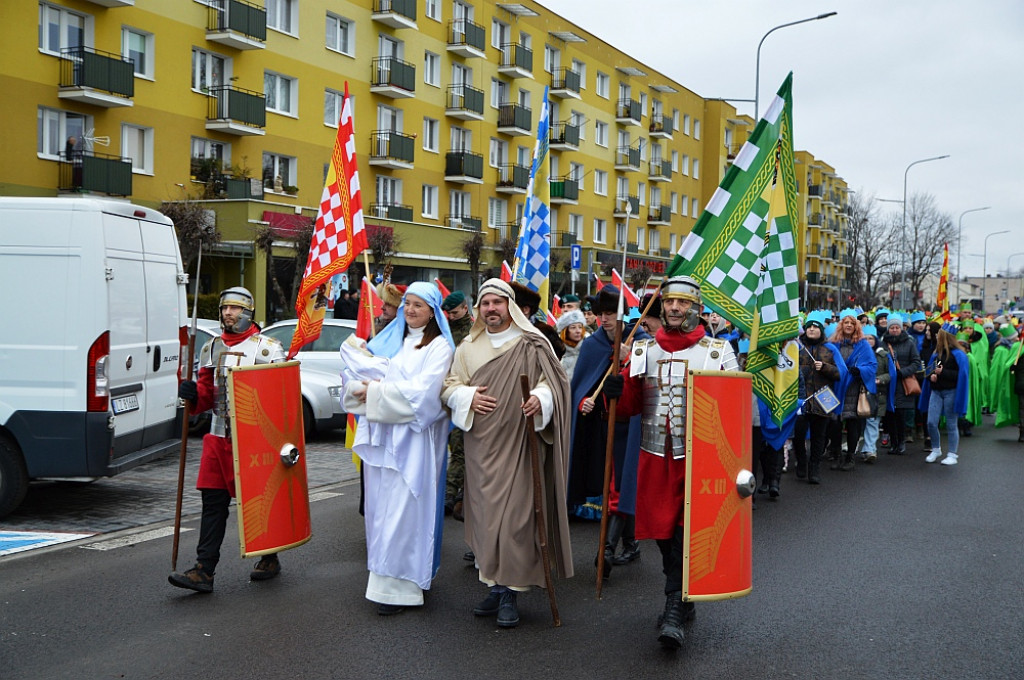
[[320, 371]]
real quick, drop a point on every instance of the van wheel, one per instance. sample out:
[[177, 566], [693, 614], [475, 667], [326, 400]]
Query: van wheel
[[308, 422], [13, 477]]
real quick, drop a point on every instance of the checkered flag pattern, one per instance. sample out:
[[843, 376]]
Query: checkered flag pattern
[[533, 254]]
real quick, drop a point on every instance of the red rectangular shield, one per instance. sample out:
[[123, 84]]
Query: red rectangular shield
[[717, 542], [271, 490]]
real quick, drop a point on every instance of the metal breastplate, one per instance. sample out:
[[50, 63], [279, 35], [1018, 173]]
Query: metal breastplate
[[253, 350], [663, 423]]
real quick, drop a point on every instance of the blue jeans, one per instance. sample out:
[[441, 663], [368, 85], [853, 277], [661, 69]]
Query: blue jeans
[[943, 403], [870, 435]]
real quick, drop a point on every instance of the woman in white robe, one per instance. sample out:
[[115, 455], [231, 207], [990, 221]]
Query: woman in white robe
[[394, 383]]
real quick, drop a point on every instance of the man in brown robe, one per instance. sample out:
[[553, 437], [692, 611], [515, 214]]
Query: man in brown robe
[[484, 394]]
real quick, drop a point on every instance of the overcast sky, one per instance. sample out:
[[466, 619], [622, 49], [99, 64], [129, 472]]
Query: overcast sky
[[878, 86]]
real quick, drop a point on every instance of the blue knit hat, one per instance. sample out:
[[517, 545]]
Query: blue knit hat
[[918, 316], [818, 317], [897, 318]]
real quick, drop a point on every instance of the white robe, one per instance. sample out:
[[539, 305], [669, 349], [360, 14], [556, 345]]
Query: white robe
[[402, 441]]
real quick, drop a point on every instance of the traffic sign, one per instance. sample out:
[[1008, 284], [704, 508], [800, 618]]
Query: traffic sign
[[576, 255]]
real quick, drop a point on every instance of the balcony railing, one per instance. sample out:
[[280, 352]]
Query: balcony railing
[[391, 211], [388, 74], [565, 83], [395, 13], [88, 171], [466, 38], [464, 164], [465, 102], [566, 238], [627, 158], [659, 214], [814, 190], [516, 61], [240, 111], [661, 127], [459, 221], [627, 112], [237, 23], [84, 68], [514, 119], [513, 177], [504, 230], [661, 171], [564, 136], [392, 149], [564, 189], [622, 201]]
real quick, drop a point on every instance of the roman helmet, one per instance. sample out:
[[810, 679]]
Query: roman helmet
[[682, 288], [239, 297]]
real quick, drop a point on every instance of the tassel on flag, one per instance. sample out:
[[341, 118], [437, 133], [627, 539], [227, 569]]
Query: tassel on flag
[[506, 272], [631, 298], [441, 287], [339, 234]]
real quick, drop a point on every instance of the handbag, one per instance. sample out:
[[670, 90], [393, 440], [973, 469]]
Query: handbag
[[865, 409], [910, 385]]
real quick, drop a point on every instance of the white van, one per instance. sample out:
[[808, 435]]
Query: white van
[[92, 322]]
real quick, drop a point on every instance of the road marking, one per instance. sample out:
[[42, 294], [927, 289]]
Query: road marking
[[141, 537], [323, 495], [19, 541]]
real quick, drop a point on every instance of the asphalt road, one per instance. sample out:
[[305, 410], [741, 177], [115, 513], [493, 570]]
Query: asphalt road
[[897, 570]]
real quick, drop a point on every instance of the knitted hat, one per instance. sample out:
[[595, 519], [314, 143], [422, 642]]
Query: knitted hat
[[569, 318], [453, 300], [817, 318], [898, 319], [988, 325]]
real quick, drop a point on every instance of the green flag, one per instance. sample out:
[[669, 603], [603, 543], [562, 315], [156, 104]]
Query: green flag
[[743, 252]]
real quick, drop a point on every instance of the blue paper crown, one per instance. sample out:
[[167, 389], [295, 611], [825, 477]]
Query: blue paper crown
[[950, 328]]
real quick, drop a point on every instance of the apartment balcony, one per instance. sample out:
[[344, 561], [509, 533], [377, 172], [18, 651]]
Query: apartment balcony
[[627, 159], [564, 137], [814, 190], [504, 230], [244, 188], [464, 167], [392, 77], [235, 111], [469, 222], [565, 84], [390, 149], [516, 61], [391, 211], [238, 24], [467, 39], [659, 216], [815, 220], [813, 250], [661, 171], [665, 252], [813, 278], [564, 191], [395, 13], [89, 172], [622, 201], [514, 120], [90, 76], [627, 112], [660, 127], [512, 179], [465, 103]]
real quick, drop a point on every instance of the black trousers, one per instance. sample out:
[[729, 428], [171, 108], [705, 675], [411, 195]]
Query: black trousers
[[854, 430], [896, 426], [818, 427], [672, 561], [212, 526]]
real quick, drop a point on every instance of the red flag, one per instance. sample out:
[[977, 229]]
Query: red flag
[[598, 282], [943, 296], [556, 306], [631, 299], [339, 234], [506, 271], [549, 318], [370, 307], [441, 287]]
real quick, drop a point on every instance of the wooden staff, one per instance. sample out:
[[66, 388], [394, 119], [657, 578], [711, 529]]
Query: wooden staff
[[538, 505], [609, 457], [184, 418], [628, 339]]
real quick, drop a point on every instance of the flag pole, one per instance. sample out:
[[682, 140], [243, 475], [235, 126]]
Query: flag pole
[[369, 298]]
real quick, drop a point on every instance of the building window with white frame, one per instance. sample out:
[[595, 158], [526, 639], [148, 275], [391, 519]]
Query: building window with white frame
[[431, 68], [333, 101], [684, 205], [620, 235], [686, 124], [601, 133], [60, 28], [581, 70], [675, 119], [673, 242], [431, 135], [673, 202], [281, 92], [138, 46], [281, 15], [389, 192], [686, 165], [641, 244], [675, 161], [459, 205], [203, 152], [696, 168], [576, 225], [602, 84], [600, 230], [578, 120], [209, 70], [279, 172], [576, 173], [500, 35], [497, 213], [55, 128], [432, 9], [341, 35], [429, 201], [499, 92], [654, 242], [137, 144], [497, 152], [641, 192], [643, 104], [552, 58], [696, 129], [600, 182], [695, 204]]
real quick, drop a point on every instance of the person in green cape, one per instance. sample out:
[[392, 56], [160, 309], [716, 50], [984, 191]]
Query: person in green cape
[[975, 345], [998, 368], [1010, 403]]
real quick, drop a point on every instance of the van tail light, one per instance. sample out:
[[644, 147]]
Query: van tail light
[[97, 382], [183, 354]]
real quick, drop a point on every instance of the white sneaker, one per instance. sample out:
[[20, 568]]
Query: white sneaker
[[935, 455], [950, 459]]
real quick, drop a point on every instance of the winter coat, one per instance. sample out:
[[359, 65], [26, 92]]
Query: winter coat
[[860, 361], [813, 379], [883, 376], [905, 356]]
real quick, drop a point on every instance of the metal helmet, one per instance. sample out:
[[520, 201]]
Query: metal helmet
[[239, 297], [682, 288]]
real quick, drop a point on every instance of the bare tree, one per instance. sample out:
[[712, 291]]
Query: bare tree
[[871, 241], [299, 237], [195, 225], [927, 231], [507, 249], [639, 277], [472, 248], [383, 244]]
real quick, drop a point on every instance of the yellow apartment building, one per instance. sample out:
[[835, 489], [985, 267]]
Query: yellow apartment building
[[235, 103], [825, 254]]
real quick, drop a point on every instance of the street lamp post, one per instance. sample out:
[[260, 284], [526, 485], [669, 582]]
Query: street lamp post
[[984, 269], [1008, 271], [757, 76], [903, 231], [959, 240]]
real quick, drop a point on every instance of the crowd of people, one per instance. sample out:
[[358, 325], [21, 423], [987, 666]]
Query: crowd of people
[[458, 404]]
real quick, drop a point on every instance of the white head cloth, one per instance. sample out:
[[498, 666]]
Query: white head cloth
[[499, 287]]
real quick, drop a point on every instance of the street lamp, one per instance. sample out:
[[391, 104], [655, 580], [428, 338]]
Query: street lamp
[[903, 231], [757, 76], [984, 268], [959, 236]]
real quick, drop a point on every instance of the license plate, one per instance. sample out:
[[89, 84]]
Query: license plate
[[125, 404]]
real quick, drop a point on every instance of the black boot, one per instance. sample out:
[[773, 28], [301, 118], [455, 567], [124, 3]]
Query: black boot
[[671, 634], [630, 546], [1020, 437], [616, 525], [847, 464]]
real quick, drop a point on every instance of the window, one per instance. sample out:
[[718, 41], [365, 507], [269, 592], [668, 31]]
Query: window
[[696, 129], [578, 120], [137, 144], [621, 187], [685, 205], [281, 14], [600, 229], [552, 58], [209, 70], [673, 243], [60, 28], [499, 34], [654, 244], [641, 244], [655, 196], [601, 133], [204, 151], [673, 202], [600, 182], [695, 204], [281, 92], [497, 212], [524, 157], [389, 190], [643, 148], [581, 70], [461, 139], [432, 9], [138, 46], [432, 69], [675, 119], [686, 123], [499, 92], [498, 155], [675, 161], [462, 75], [602, 84], [459, 204], [576, 225], [525, 40], [576, 172], [56, 128], [643, 103], [696, 168], [278, 172], [524, 98], [341, 34], [332, 107], [431, 134], [429, 201], [686, 165], [620, 234], [641, 192]]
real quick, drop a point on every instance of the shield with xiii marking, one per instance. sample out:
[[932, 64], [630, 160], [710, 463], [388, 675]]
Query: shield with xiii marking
[[271, 488], [717, 542]]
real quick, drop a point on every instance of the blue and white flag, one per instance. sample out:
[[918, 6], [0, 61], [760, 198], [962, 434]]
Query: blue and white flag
[[533, 254]]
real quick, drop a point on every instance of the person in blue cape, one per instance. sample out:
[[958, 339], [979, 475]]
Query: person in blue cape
[[821, 369], [590, 436], [918, 325], [944, 393], [903, 351], [861, 367]]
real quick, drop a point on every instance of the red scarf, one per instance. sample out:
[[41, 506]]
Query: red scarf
[[232, 339], [673, 340]]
